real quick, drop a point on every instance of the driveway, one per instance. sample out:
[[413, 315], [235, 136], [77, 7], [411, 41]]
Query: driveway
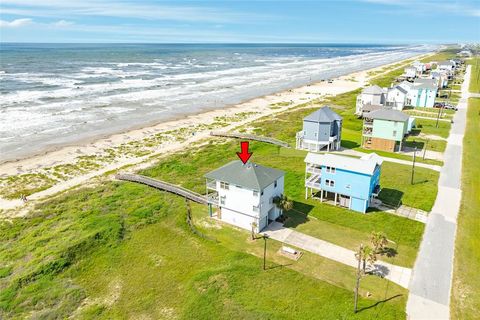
[[432, 274], [277, 231]]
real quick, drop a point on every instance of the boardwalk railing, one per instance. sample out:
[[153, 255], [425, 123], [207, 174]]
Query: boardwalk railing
[[245, 136], [162, 185]]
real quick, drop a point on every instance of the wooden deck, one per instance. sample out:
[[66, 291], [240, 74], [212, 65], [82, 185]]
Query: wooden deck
[[245, 136], [162, 185]]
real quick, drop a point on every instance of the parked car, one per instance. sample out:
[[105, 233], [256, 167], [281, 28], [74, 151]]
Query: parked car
[[439, 105], [450, 107]]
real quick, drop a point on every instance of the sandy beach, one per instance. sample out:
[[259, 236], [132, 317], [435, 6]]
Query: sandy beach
[[70, 166]]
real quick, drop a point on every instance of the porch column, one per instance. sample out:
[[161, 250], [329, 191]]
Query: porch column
[[306, 193], [336, 194], [321, 195]]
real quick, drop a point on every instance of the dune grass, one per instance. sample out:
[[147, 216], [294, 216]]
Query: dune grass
[[465, 301]]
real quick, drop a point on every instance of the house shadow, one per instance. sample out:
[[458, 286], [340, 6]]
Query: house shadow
[[416, 131], [410, 145], [298, 215], [347, 144], [391, 197]]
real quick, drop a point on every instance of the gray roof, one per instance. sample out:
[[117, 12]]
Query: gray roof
[[250, 175], [388, 114], [399, 88], [373, 90], [324, 114], [371, 107], [446, 62], [426, 84]]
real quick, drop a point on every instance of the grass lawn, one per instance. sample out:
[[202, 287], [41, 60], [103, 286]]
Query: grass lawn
[[420, 143], [475, 78], [466, 283], [427, 126], [188, 170], [127, 249]]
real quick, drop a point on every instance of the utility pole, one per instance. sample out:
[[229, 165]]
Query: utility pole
[[413, 163], [438, 116], [359, 275], [425, 149], [265, 237]]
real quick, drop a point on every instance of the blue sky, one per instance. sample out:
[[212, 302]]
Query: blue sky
[[359, 21]]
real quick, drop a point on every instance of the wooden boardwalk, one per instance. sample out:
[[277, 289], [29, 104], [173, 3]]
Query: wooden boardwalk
[[245, 136], [162, 185]]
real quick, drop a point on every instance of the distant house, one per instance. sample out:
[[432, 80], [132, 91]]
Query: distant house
[[244, 193], [384, 130], [441, 77], [321, 129], [410, 72], [446, 65], [421, 68], [465, 53], [348, 182], [373, 95], [396, 98], [421, 93]]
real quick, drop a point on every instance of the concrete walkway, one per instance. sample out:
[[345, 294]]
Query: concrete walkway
[[432, 118], [351, 152], [276, 231], [432, 274]]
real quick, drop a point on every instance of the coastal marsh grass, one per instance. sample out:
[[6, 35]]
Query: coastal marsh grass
[[465, 300], [127, 248]]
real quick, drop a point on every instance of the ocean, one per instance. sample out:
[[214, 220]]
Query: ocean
[[55, 94]]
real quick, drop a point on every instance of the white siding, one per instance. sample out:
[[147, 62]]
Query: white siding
[[238, 208]]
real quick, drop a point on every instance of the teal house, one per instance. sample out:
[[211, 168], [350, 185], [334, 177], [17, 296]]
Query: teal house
[[343, 181], [385, 129]]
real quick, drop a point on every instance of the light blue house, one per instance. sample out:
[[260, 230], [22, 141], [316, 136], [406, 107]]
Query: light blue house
[[421, 93], [321, 129], [344, 181]]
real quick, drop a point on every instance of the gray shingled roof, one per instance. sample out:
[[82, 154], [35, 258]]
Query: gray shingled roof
[[324, 114], [251, 176], [388, 114], [430, 84], [373, 90]]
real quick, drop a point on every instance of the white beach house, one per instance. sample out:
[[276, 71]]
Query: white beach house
[[421, 93], [371, 96], [243, 194]]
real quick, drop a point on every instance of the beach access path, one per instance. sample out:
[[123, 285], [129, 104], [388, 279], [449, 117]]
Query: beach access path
[[277, 231], [431, 282]]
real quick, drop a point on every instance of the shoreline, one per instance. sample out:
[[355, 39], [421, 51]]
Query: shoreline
[[83, 139], [252, 109]]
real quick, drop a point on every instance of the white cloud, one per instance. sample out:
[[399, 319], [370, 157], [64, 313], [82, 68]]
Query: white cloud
[[17, 23], [460, 8], [62, 23], [128, 9]]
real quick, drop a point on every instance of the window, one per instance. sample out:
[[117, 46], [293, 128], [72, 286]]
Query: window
[[222, 200], [394, 133], [255, 193], [261, 193], [316, 134], [330, 169], [255, 208], [330, 183], [275, 184], [224, 185], [347, 186]]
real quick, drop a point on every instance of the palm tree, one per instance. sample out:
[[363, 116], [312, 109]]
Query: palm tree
[[379, 241], [283, 203], [254, 226], [366, 254]]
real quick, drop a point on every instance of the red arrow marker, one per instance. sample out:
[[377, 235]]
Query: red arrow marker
[[244, 155]]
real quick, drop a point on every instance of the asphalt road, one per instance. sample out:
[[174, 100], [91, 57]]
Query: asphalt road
[[430, 285]]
